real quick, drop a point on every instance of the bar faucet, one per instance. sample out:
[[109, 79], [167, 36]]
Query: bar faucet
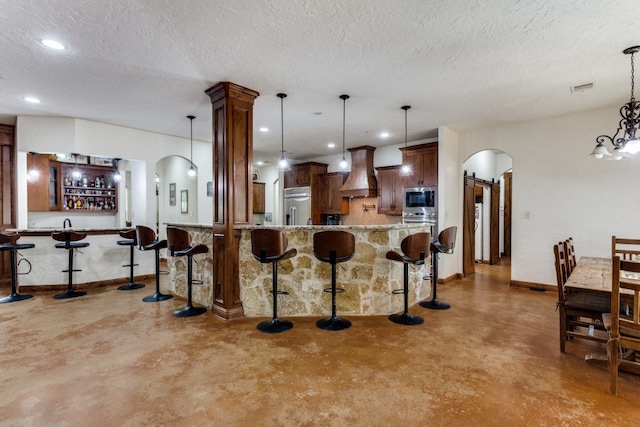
[[64, 224]]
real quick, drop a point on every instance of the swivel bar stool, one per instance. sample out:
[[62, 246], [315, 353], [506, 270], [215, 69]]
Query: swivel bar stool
[[444, 245], [179, 242], [130, 236], [9, 242], [147, 240], [333, 247], [71, 243], [414, 250], [270, 246]]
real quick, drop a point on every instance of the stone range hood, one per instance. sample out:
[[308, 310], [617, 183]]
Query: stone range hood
[[362, 180]]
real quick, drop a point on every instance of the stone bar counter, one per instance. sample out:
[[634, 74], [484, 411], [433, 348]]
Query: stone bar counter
[[368, 278], [101, 262]]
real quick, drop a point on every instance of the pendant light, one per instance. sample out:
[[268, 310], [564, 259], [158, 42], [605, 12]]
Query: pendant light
[[283, 165], [76, 172], [33, 173], [192, 171], [405, 170], [343, 163], [116, 176], [628, 143]]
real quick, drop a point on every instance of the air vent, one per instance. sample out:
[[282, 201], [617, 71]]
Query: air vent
[[582, 88]]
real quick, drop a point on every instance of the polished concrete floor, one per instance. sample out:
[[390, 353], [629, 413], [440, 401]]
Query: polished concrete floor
[[109, 359]]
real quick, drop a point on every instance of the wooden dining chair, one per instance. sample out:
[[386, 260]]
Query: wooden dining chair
[[570, 254], [580, 312], [623, 323], [627, 249]]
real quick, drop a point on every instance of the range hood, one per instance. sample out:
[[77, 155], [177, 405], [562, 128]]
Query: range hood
[[362, 180]]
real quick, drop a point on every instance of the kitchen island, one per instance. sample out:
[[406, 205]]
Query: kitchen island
[[101, 262]]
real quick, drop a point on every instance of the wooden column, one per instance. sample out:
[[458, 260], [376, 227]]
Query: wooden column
[[232, 189]]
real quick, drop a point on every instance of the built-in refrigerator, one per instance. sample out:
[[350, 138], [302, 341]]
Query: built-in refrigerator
[[297, 205]]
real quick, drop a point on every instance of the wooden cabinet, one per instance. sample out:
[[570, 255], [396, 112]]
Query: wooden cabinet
[[329, 198], [423, 160], [43, 194], [258, 198], [301, 175], [390, 184], [94, 189]]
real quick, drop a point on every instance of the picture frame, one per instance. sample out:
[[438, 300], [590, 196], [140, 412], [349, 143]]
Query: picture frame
[[184, 201], [172, 194]]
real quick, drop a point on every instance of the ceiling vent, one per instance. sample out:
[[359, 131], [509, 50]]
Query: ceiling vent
[[582, 88]]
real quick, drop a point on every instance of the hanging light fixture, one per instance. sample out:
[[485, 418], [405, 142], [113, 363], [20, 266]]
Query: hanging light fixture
[[405, 170], [192, 171], [76, 172], [343, 163], [283, 164], [628, 143], [33, 173], [116, 176]]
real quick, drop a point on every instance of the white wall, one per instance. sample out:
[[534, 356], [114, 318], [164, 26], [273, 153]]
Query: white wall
[[144, 149], [450, 197], [565, 191]]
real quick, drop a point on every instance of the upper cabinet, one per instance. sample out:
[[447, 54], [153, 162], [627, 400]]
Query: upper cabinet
[[67, 186], [329, 198], [301, 175], [423, 160], [258, 198], [390, 184]]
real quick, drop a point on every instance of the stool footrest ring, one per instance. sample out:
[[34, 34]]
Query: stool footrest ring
[[397, 291], [196, 282], [129, 265], [75, 269], [338, 290], [281, 292]]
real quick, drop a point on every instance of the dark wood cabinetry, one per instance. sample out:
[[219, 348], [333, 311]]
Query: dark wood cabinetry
[[329, 198], [258, 197], [57, 188], [423, 160], [390, 184], [307, 175]]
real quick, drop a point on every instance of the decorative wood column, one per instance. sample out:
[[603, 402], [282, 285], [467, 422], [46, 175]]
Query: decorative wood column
[[232, 189]]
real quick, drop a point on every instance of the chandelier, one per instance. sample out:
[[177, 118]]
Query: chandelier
[[627, 144]]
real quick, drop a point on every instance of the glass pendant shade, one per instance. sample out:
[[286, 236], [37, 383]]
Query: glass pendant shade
[[33, 173]]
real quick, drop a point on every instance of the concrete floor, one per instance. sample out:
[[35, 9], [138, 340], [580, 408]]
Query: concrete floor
[[108, 359]]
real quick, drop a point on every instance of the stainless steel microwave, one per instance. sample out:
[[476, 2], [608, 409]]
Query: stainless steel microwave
[[420, 198]]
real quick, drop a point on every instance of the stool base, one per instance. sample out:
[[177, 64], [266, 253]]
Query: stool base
[[333, 324], [406, 319], [434, 304], [189, 311], [274, 326], [15, 297], [69, 294], [157, 297], [130, 287]]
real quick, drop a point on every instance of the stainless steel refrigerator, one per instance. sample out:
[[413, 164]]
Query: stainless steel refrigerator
[[297, 205]]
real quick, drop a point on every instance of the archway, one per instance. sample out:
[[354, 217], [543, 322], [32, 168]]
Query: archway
[[487, 209]]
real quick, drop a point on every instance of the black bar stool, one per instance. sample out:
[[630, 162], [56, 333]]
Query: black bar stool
[[147, 240], [270, 246], [444, 245], [71, 242], [414, 250], [179, 242], [9, 242], [131, 241], [333, 247]]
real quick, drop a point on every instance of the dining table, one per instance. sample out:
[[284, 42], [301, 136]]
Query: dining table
[[593, 275]]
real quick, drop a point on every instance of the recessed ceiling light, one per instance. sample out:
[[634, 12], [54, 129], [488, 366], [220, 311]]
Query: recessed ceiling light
[[31, 99], [52, 44], [331, 145], [384, 134], [317, 113], [260, 163], [264, 129]]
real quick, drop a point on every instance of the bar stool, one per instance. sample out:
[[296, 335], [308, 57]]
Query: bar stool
[[333, 247], [414, 249], [270, 246], [147, 240], [179, 242], [71, 242], [9, 242], [130, 236], [444, 245]]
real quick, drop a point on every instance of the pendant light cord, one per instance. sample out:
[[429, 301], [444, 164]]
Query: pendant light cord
[[191, 159], [344, 120], [632, 78]]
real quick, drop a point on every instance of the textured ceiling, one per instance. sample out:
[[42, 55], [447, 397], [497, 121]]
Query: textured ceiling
[[461, 63]]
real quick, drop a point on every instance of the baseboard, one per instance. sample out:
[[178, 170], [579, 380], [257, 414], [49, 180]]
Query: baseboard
[[84, 286], [453, 277], [530, 285]]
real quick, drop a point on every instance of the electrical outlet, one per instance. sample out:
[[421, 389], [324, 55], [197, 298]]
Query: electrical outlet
[[527, 215]]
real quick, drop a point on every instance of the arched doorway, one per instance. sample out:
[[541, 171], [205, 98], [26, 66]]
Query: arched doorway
[[487, 209]]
